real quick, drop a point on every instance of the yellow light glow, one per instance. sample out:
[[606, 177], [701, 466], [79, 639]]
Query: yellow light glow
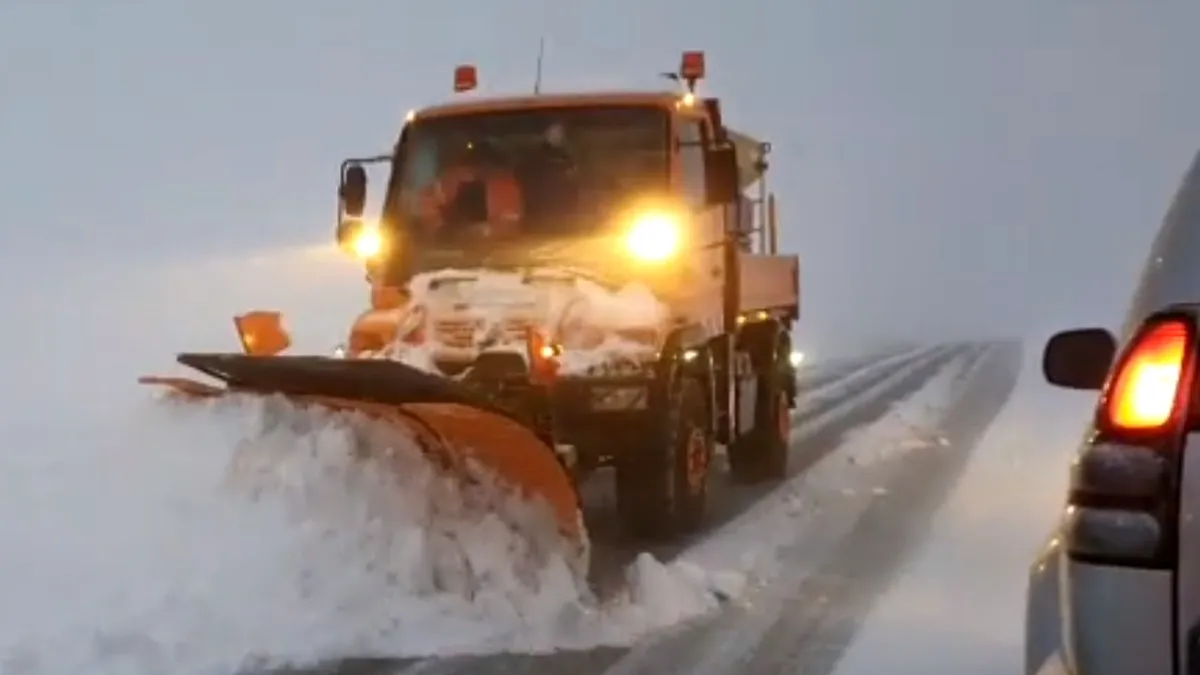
[[654, 237], [367, 243]]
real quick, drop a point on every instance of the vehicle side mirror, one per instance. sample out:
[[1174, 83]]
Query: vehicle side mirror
[[1080, 358], [352, 193], [721, 181]]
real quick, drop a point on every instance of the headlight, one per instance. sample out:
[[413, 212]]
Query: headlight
[[654, 236], [367, 243]]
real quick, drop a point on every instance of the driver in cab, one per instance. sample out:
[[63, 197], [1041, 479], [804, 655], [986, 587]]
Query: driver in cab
[[550, 176], [475, 193]]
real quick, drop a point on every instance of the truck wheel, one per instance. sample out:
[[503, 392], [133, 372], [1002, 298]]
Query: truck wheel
[[762, 453], [662, 486]]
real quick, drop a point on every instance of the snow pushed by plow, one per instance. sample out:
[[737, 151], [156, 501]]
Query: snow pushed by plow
[[243, 533]]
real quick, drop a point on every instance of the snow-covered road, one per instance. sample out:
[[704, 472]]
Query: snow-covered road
[[958, 606]]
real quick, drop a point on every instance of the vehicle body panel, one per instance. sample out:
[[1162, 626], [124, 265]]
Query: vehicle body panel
[[1096, 620], [1043, 618], [1119, 620], [1188, 575], [472, 104], [1172, 270]]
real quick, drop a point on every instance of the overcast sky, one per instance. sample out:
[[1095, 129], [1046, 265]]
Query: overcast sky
[[944, 167]]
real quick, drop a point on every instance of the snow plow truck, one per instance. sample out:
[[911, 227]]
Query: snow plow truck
[[560, 283]]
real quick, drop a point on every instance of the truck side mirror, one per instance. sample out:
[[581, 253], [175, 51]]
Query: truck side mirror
[[721, 181], [352, 193]]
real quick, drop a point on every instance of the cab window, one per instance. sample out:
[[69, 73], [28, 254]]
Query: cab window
[[573, 165]]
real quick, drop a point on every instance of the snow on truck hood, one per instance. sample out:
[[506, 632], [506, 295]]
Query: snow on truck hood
[[597, 325]]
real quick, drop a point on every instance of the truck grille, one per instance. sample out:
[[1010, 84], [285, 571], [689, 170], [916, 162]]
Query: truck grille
[[456, 333], [461, 333]]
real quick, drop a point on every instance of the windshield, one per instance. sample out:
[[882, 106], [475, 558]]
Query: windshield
[[547, 172]]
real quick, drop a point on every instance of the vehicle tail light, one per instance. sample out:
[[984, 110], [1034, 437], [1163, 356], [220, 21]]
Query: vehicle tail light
[[1145, 392], [1123, 503]]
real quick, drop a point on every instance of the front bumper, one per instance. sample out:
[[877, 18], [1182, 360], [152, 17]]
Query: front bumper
[[588, 410]]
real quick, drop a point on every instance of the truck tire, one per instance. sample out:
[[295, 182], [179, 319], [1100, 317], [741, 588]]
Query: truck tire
[[762, 453], [662, 486]]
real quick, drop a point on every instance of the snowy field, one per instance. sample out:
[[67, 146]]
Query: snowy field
[[958, 605]]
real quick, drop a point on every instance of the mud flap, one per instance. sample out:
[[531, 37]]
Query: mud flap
[[452, 425]]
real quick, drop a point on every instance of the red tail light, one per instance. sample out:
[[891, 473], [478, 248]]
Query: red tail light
[[1144, 393]]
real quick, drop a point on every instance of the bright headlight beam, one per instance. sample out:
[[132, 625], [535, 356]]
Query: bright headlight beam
[[368, 243], [654, 237]]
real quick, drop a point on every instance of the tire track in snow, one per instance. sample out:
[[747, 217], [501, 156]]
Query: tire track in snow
[[822, 616], [820, 611], [612, 551], [815, 377], [716, 643]]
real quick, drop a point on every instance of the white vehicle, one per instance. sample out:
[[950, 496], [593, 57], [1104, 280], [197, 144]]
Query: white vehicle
[[1116, 591]]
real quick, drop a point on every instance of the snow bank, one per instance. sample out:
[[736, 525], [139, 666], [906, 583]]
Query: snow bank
[[191, 539]]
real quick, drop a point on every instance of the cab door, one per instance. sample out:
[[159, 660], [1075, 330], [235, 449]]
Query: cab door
[[704, 301], [702, 258]]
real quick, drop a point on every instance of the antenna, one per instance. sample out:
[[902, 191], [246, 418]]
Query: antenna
[[537, 81]]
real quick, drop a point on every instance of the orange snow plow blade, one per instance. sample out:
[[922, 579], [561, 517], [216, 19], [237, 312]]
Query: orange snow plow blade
[[449, 423]]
